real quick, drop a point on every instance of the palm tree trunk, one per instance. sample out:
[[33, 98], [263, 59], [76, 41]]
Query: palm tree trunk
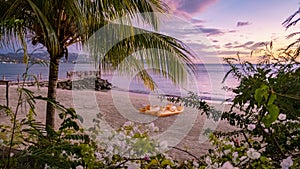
[[52, 85]]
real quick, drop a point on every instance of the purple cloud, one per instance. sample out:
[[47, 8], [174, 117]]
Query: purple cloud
[[211, 31], [246, 45], [230, 52], [228, 45], [194, 6], [239, 24], [188, 8], [197, 21], [258, 45]]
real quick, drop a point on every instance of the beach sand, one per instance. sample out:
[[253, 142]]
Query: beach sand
[[182, 131]]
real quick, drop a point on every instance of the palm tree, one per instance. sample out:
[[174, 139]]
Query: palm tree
[[57, 24]]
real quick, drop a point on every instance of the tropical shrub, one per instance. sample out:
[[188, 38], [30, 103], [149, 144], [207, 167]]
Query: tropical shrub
[[265, 112]]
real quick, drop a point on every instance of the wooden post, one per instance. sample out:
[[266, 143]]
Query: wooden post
[[7, 99], [6, 82]]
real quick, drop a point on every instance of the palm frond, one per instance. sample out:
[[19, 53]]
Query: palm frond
[[142, 10], [58, 24], [288, 22], [165, 55]]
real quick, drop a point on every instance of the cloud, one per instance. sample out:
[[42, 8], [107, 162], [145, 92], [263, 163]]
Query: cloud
[[231, 52], [188, 8], [228, 45], [197, 21], [246, 45], [240, 23], [211, 31], [258, 45], [195, 6], [232, 31]]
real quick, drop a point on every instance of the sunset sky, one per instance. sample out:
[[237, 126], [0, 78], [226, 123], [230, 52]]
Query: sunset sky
[[221, 28], [236, 25]]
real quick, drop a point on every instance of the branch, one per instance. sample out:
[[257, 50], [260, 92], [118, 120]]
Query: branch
[[130, 159], [246, 138], [186, 152]]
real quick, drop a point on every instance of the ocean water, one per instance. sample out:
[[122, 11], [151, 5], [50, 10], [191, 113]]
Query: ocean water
[[206, 80]]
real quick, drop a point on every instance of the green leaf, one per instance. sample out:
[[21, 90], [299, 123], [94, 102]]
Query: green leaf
[[271, 99], [273, 110], [272, 116], [260, 93], [263, 159], [166, 162], [258, 96]]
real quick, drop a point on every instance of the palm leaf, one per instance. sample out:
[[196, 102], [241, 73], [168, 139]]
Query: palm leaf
[[115, 42]]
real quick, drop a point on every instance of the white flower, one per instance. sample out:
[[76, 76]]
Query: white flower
[[98, 155], [164, 145], [282, 116], [121, 136], [136, 129], [226, 152], [195, 164], [253, 154], [1, 142], [11, 154], [286, 163], [228, 165], [243, 158], [208, 160], [235, 154], [128, 123], [79, 167], [215, 165], [251, 127], [47, 166], [152, 127]]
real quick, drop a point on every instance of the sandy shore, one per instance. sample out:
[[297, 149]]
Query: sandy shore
[[117, 107]]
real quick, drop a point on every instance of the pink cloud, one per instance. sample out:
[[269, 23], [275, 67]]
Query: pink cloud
[[238, 24], [189, 8]]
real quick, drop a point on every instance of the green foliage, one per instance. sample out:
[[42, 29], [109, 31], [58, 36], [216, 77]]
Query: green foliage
[[194, 101], [268, 98], [265, 112]]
